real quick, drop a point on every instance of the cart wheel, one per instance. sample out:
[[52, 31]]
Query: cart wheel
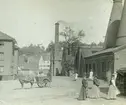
[[40, 84], [46, 81]]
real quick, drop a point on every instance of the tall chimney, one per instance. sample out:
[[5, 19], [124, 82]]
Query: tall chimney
[[113, 24], [56, 34], [56, 40], [56, 56], [121, 37]]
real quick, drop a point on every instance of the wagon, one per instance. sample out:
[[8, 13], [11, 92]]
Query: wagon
[[42, 81], [28, 76], [121, 80]]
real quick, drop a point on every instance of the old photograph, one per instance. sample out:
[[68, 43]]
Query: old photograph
[[62, 52]]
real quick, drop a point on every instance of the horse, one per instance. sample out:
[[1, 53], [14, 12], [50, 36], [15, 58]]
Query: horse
[[27, 76]]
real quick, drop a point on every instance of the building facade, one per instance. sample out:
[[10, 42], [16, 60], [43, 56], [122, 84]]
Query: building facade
[[8, 57], [106, 62], [44, 64], [82, 52]]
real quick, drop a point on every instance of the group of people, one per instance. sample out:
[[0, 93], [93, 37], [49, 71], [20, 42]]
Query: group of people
[[95, 90]]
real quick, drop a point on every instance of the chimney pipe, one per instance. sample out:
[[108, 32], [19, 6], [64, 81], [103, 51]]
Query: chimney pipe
[[121, 37], [113, 24]]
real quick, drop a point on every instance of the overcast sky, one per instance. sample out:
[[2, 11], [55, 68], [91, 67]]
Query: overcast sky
[[32, 21]]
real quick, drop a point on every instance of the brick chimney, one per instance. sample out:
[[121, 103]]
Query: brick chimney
[[57, 63]]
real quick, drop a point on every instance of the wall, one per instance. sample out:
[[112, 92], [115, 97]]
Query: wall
[[16, 58], [120, 59], [7, 49], [57, 63]]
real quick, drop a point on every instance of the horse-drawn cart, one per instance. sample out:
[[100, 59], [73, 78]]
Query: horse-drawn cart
[[27, 76]]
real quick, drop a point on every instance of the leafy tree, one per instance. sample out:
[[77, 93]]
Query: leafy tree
[[101, 44], [71, 43], [72, 38], [50, 47], [32, 50], [93, 44]]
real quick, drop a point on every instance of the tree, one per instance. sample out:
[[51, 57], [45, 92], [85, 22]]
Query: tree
[[32, 50], [72, 38], [71, 43], [50, 47], [101, 44], [93, 44]]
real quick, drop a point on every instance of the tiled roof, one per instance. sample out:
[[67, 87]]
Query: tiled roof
[[4, 36]]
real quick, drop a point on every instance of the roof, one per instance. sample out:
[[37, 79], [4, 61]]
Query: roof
[[122, 71], [89, 46], [46, 56], [87, 50], [116, 49], [16, 47], [4, 36]]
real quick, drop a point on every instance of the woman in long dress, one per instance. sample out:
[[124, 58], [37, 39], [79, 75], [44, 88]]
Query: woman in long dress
[[91, 75], [84, 89], [95, 91], [113, 91], [76, 76]]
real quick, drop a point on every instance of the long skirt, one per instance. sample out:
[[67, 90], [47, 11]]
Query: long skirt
[[112, 92], [95, 92], [83, 93]]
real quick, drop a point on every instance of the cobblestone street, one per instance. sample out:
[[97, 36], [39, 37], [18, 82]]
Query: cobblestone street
[[63, 91]]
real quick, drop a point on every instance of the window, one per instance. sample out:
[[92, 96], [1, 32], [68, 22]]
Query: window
[[1, 56], [1, 69], [1, 44]]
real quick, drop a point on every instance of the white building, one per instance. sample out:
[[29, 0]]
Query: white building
[[44, 64]]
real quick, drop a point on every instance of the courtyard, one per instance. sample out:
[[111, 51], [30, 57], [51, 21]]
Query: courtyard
[[63, 91]]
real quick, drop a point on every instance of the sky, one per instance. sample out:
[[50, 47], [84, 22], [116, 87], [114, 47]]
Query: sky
[[32, 21]]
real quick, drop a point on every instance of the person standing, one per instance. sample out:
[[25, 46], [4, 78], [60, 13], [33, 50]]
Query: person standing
[[76, 76], [84, 89], [91, 74], [95, 91], [112, 92]]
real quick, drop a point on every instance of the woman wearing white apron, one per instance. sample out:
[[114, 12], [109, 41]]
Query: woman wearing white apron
[[113, 91], [91, 75], [76, 76]]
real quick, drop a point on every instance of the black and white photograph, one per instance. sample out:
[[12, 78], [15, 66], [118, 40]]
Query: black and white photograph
[[62, 52]]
